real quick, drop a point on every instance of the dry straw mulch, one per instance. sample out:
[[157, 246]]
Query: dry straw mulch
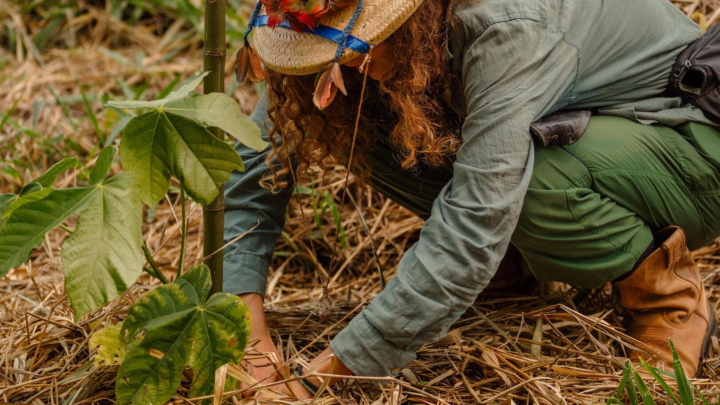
[[505, 349]]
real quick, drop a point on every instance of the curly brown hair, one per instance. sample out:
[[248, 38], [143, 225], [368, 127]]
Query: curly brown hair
[[409, 107]]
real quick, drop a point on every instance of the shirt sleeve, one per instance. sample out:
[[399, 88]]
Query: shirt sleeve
[[512, 72], [246, 261]]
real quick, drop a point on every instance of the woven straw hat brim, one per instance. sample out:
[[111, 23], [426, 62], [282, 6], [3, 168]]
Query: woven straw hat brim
[[302, 53]]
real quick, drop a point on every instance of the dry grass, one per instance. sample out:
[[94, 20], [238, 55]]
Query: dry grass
[[505, 349]]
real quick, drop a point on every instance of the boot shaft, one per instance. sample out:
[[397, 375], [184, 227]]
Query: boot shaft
[[667, 280], [666, 300]]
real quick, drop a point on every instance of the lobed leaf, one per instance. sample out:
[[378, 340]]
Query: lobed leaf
[[103, 257], [181, 329], [28, 223], [212, 110], [219, 110], [157, 145]]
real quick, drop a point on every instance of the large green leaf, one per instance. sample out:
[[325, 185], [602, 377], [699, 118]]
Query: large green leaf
[[156, 145], [27, 224], [103, 257], [180, 329], [212, 110], [219, 110]]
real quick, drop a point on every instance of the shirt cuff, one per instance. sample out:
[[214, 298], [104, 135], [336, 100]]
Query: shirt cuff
[[363, 349], [245, 273]]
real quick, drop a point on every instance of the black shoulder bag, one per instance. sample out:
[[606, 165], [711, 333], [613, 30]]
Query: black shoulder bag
[[696, 74]]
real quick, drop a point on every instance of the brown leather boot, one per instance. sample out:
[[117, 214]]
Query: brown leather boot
[[666, 299]]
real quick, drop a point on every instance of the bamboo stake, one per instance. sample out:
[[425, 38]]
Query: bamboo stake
[[214, 62]]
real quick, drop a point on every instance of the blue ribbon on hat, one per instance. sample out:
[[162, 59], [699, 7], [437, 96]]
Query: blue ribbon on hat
[[342, 38], [335, 35]]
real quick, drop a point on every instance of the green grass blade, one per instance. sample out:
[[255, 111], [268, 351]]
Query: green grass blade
[[660, 381], [92, 117], [630, 384], [702, 397], [681, 378], [7, 115], [623, 381], [170, 87], [116, 57], [316, 211], [337, 219], [38, 106], [643, 389], [140, 91], [121, 124], [41, 39]]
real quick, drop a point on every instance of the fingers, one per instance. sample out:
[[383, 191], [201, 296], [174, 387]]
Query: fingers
[[261, 362]]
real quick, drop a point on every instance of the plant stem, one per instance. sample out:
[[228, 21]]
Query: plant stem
[[214, 62], [66, 229], [151, 272], [183, 233], [158, 274]]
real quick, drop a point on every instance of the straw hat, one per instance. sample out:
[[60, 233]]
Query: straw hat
[[301, 53]]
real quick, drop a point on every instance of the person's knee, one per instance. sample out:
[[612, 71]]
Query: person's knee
[[540, 213], [545, 208]]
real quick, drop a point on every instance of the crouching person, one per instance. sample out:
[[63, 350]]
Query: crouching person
[[452, 90]]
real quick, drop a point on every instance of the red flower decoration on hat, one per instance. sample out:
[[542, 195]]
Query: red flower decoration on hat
[[300, 14]]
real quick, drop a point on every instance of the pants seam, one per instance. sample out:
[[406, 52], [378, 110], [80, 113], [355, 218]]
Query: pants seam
[[578, 217], [688, 183]]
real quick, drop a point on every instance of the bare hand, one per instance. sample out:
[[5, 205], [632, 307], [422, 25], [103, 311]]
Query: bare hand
[[262, 368]]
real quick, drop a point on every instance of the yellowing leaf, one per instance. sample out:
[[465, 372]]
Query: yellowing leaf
[[110, 348], [181, 328]]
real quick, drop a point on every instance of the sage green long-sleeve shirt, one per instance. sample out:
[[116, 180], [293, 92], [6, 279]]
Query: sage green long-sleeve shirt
[[517, 60]]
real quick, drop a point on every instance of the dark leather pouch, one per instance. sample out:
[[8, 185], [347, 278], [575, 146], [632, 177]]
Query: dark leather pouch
[[695, 76], [561, 129]]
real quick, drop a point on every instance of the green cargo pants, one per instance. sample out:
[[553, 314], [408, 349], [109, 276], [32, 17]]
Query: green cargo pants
[[592, 207]]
